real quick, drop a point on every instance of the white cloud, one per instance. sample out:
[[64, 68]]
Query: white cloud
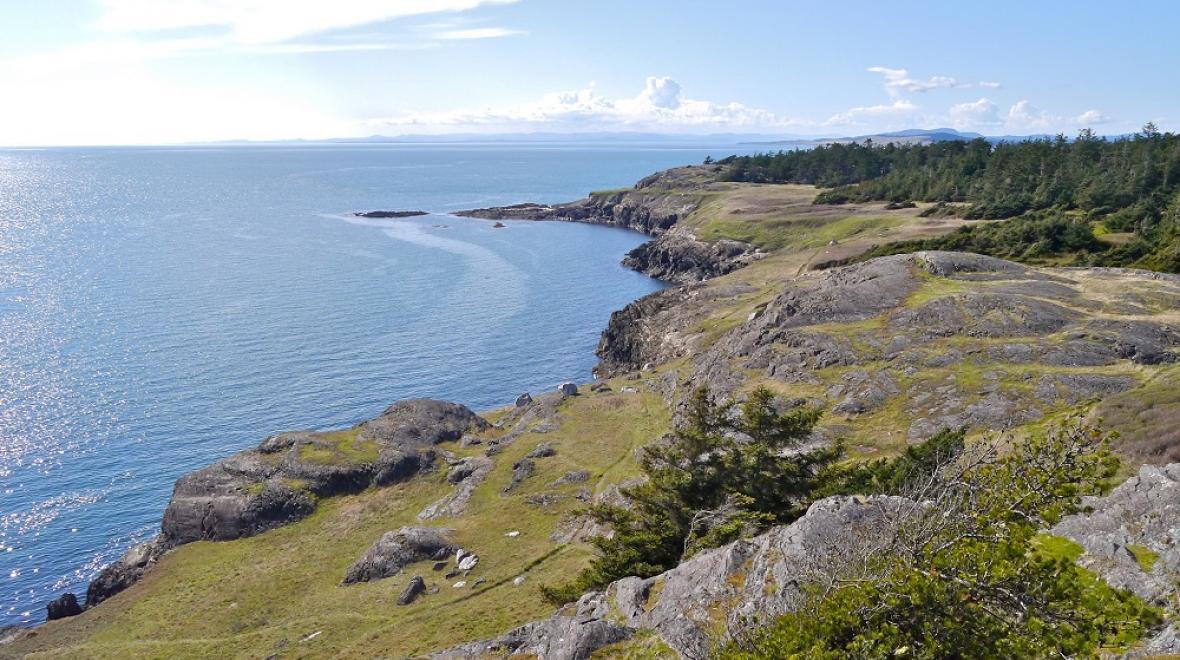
[[1024, 116], [660, 106], [881, 114], [268, 21], [477, 33], [898, 82], [1091, 118], [979, 114]]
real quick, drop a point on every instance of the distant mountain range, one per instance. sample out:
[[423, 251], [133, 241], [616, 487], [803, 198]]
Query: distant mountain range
[[907, 136]]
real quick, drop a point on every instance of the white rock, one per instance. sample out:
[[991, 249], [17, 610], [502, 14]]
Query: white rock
[[518, 581], [513, 534], [468, 562], [460, 584]]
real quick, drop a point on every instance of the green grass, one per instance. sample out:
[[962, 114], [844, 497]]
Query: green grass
[[339, 448], [1058, 547], [1144, 556], [262, 595]]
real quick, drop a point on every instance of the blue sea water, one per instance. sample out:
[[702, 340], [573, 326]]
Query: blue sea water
[[162, 308]]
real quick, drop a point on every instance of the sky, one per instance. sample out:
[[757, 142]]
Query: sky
[[95, 72]]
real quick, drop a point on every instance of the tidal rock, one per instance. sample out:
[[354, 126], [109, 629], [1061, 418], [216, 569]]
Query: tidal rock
[[499, 225], [412, 591], [63, 606], [10, 634], [396, 550], [389, 214]]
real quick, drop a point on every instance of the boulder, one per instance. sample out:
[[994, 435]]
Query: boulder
[[521, 470], [543, 450], [467, 563], [412, 591], [396, 550], [63, 606], [568, 389], [121, 574], [523, 400]]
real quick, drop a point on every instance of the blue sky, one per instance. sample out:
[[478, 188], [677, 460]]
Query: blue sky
[[163, 71]]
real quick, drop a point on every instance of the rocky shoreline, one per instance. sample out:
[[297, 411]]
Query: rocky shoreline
[[655, 206]]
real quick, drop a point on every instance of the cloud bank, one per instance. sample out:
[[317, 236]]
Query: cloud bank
[[660, 106]]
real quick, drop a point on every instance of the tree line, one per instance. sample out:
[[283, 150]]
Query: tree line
[[1129, 187]]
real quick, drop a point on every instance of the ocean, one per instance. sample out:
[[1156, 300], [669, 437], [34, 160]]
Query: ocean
[[161, 308]]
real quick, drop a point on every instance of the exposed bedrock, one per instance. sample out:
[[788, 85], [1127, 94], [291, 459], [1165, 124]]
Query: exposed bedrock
[[396, 550], [1130, 538], [679, 257], [279, 482], [751, 581], [943, 339]]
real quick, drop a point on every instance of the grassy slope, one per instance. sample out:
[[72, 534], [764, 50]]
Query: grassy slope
[[262, 595], [265, 595]]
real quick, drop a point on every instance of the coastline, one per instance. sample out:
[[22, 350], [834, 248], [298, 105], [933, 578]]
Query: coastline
[[282, 505]]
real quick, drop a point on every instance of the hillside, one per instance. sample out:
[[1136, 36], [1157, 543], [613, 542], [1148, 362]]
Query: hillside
[[254, 551]]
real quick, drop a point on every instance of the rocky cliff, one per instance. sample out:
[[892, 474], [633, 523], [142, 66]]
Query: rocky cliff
[[655, 206]]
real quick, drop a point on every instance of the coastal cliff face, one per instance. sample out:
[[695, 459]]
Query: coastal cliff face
[[431, 526], [656, 206]]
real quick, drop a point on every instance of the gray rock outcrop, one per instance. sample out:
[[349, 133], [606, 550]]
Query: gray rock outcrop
[[396, 550], [466, 475], [415, 588], [679, 257], [749, 581], [63, 606], [276, 484], [1131, 537], [116, 577]]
